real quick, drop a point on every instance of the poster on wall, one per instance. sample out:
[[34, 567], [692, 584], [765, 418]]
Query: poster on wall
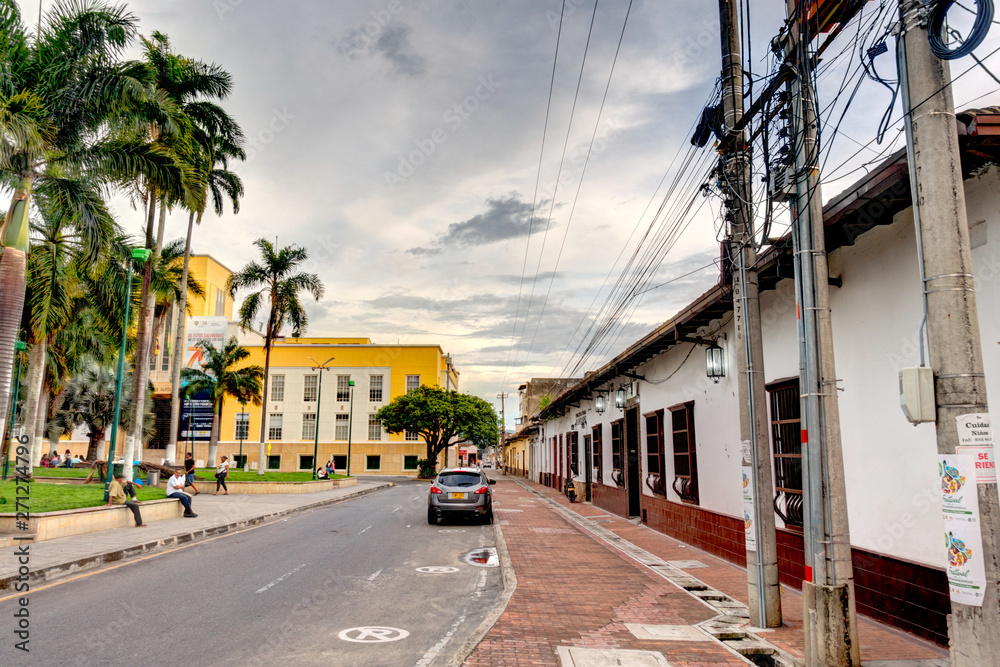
[[195, 423], [199, 329], [748, 511], [975, 438], [962, 531]]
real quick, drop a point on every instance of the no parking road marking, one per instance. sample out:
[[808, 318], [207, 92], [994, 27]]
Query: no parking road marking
[[437, 569], [373, 634]]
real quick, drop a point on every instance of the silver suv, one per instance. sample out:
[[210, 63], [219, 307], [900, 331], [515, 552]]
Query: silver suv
[[460, 492]]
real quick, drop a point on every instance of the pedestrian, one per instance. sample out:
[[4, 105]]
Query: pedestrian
[[331, 469], [221, 473], [189, 472], [121, 495], [175, 489]]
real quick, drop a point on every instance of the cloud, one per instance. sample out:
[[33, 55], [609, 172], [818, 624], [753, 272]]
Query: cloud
[[392, 42], [504, 218]]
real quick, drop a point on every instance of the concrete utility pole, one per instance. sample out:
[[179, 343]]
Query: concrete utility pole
[[952, 319], [762, 550], [503, 421], [828, 590]]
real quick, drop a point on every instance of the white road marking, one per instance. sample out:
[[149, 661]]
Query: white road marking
[[408, 525], [437, 569], [397, 509], [372, 576], [364, 530], [373, 634], [284, 576]]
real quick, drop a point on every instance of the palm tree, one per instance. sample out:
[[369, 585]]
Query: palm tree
[[222, 183], [89, 400], [276, 281], [187, 84], [220, 377], [68, 109]]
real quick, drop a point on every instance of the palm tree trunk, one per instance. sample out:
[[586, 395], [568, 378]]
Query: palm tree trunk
[[33, 397], [179, 349], [144, 336], [213, 441], [13, 265], [262, 453], [94, 439]]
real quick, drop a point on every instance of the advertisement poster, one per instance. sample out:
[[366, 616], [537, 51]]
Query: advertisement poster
[[748, 513], [962, 531], [975, 438], [198, 329], [196, 418]]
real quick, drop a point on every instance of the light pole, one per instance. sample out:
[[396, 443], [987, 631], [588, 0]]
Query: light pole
[[319, 396], [350, 422], [19, 347], [244, 422], [141, 254]]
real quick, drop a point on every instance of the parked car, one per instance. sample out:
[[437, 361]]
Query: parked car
[[460, 492]]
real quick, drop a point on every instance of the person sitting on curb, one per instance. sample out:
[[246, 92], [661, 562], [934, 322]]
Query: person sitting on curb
[[321, 473], [189, 472], [117, 496], [175, 489]]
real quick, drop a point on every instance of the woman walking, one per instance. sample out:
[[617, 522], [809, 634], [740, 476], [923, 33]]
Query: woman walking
[[221, 473]]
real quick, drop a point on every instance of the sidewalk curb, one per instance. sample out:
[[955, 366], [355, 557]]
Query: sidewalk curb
[[509, 586], [53, 572]]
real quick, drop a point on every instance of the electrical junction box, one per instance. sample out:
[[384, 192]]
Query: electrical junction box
[[916, 394]]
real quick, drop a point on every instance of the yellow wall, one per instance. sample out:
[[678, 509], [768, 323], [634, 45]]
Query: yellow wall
[[213, 277]]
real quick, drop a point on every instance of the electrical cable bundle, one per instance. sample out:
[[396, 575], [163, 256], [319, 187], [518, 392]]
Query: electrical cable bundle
[[936, 29]]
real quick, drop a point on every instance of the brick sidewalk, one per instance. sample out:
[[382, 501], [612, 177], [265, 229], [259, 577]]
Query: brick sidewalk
[[577, 592]]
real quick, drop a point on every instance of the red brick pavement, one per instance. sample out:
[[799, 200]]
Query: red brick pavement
[[575, 590]]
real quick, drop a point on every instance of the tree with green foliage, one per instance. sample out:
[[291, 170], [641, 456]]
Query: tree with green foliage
[[442, 418], [277, 282], [223, 376]]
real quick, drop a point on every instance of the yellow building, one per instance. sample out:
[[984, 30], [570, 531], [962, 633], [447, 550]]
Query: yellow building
[[344, 413]]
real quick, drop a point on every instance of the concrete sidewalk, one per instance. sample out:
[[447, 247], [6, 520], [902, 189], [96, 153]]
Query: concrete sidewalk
[[593, 589], [52, 559]]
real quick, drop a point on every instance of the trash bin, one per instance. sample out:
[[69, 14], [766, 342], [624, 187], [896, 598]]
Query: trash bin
[[118, 469], [154, 478]]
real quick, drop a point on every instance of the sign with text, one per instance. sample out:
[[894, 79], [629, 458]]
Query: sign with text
[[203, 329], [748, 508], [975, 439], [196, 418], [962, 531]]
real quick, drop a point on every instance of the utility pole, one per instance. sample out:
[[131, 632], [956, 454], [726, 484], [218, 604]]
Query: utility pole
[[761, 544], [952, 319], [503, 422], [830, 617]]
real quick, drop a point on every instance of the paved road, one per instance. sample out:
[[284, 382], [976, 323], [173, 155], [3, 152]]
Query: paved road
[[281, 593]]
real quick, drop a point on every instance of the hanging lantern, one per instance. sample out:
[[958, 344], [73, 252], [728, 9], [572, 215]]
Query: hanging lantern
[[620, 398], [599, 404], [715, 361]]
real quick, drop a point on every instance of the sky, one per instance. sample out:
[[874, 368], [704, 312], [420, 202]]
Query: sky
[[401, 143]]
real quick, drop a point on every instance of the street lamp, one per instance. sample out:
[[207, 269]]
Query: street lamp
[[350, 422], [319, 396], [141, 254], [244, 426], [19, 347], [715, 366]]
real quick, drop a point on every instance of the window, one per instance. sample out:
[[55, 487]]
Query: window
[[274, 426], [412, 382], [340, 462], [617, 427], [685, 461], [597, 434], [410, 461], [309, 426], [274, 462], [572, 440], [342, 426], [374, 428], [239, 461], [375, 389], [306, 462], [373, 462], [309, 389], [165, 355], [220, 301], [411, 435], [277, 388], [152, 355], [343, 388], [655, 459], [786, 438], [242, 430]]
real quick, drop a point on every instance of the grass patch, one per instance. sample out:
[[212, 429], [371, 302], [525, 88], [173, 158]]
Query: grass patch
[[60, 472], [251, 476], [53, 497]]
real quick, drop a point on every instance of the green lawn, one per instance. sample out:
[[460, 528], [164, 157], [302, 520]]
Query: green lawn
[[251, 476], [60, 472], [51, 497]]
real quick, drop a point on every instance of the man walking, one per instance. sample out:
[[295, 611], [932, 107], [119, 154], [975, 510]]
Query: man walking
[[117, 496], [175, 489]]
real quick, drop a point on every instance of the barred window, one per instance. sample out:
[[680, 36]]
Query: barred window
[[343, 388], [374, 428], [310, 388], [412, 382], [685, 459], [274, 426], [277, 388], [309, 426], [242, 431], [342, 426], [411, 435], [375, 389]]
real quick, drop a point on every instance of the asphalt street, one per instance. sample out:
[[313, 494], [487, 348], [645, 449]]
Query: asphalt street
[[365, 582]]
